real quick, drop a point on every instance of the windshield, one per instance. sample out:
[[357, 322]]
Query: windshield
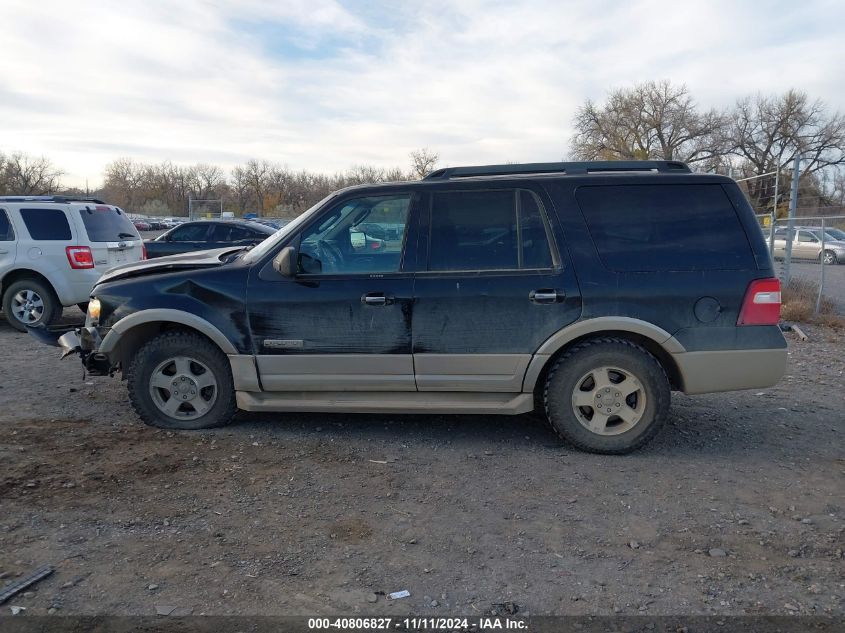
[[267, 245]]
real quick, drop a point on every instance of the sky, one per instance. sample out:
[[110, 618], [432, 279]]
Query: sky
[[324, 85]]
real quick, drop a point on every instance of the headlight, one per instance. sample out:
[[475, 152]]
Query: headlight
[[94, 309]]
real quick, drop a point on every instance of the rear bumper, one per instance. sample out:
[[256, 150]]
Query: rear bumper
[[731, 370]]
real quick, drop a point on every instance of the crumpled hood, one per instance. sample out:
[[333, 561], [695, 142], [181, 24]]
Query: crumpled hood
[[183, 261]]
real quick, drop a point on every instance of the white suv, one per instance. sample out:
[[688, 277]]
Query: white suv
[[53, 249]]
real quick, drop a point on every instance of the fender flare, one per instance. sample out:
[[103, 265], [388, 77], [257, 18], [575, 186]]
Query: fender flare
[[597, 325], [166, 315]]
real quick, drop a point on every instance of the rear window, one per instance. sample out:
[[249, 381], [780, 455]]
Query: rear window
[[46, 224], [106, 224], [665, 227]]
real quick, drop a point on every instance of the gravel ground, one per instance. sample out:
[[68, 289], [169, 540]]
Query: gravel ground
[[736, 508]]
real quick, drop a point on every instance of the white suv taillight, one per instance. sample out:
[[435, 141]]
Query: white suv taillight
[[80, 257], [761, 305]]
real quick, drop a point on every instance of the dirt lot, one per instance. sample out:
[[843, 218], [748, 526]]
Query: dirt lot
[[738, 507]]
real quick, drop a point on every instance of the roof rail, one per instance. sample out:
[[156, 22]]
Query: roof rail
[[50, 199], [586, 167]]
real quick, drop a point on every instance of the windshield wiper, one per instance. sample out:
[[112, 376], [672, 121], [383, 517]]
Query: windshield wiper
[[125, 235]]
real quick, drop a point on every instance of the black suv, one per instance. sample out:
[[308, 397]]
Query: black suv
[[589, 290]]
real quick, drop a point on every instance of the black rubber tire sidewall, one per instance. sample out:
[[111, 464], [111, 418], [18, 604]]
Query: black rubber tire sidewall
[[560, 383], [52, 307], [169, 345]]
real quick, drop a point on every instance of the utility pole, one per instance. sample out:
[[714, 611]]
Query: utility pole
[[774, 212], [790, 231]]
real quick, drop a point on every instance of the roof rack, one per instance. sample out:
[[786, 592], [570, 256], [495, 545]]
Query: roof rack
[[64, 199], [586, 167]]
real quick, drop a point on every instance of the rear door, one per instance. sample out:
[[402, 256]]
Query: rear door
[[8, 245], [493, 287], [112, 237]]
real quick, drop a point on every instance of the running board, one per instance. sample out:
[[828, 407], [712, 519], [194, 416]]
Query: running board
[[388, 402]]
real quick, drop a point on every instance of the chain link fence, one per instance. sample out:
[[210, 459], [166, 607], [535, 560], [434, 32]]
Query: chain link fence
[[809, 249]]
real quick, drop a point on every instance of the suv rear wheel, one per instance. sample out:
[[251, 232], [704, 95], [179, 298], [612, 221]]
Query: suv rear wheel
[[607, 396], [30, 302], [180, 380]]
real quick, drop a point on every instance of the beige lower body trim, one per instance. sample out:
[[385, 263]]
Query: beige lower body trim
[[501, 373], [244, 373], [379, 402], [336, 372], [709, 372]]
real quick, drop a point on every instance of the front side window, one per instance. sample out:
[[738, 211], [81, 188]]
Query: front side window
[[362, 235], [189, 233], [46, 224], [230, 233], [7, 233], [805, 236], [488, 230]]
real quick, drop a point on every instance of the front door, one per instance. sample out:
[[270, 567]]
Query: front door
[[344, 321], [494, 287]]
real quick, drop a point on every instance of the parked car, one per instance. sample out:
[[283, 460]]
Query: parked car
[[589, 290], [141, 225], [53, 250], [807, 244], [207, 234]]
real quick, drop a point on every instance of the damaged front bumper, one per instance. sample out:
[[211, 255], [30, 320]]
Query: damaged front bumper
[[79, 340]]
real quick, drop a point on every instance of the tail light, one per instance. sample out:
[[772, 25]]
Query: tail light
[[143, 251], [761, 305], [80, 257], [375, 245]]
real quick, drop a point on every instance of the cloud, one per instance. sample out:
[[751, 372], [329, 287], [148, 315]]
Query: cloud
[[324, 85]]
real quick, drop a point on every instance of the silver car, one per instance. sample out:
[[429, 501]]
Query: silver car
[[807, 244]]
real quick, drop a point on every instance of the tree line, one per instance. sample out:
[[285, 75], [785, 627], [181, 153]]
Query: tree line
[[757, 137]]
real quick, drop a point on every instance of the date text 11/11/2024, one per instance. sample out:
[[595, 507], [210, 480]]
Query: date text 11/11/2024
[[419, 624]]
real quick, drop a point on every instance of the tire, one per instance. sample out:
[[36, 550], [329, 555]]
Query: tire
[[603, 372], [30, 302], [170, 383], [829, 258]]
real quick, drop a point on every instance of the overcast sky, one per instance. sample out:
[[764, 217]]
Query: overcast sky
[[324, 85]]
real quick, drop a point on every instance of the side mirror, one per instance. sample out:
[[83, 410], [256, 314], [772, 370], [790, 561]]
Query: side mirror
[[285, 262]]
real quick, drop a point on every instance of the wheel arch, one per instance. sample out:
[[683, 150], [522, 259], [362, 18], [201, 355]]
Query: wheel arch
[[24, 273], [127, 335], [655, 340]]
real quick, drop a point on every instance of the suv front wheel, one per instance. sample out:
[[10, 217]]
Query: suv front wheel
[[180, 380], [607, 396], [30, 302]]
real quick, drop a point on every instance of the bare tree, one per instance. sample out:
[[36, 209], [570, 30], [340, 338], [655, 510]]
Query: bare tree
[[767, 132], [423, 162], [652, 120], [28, 175]]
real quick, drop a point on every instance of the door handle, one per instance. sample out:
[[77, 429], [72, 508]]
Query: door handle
[[376, 299], [545, 295], [4, 252]]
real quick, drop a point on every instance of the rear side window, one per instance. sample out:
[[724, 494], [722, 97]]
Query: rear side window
[[46, 224], [665, 227], [488, 230], [7, 233], [106, 224]]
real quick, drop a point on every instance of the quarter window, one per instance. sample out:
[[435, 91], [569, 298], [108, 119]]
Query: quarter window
[[46, 224], [488, 230], [7, 233], [646, 228]]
